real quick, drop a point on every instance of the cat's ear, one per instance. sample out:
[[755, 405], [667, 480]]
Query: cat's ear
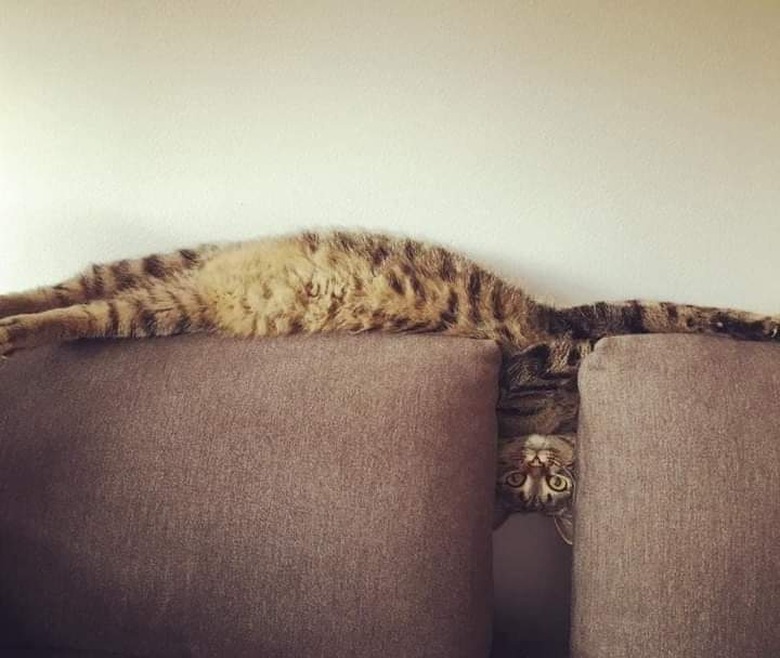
[[564, 524]]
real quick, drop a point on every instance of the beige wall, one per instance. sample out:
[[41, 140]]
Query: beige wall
[[593, 149]]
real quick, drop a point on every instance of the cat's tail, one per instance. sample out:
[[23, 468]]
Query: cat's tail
[[163, 310], [594, 321]]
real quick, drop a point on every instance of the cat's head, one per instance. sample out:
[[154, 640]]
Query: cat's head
[[536, 473]]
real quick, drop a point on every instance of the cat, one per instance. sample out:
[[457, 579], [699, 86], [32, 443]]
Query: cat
[[357, 282]]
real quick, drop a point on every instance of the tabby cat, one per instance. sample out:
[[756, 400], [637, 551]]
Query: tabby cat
[[355, 282]]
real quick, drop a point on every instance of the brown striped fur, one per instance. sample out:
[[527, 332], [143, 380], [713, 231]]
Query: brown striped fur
[[356, 282]]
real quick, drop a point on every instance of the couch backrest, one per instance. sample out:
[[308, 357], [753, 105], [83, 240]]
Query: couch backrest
[[326, 496]]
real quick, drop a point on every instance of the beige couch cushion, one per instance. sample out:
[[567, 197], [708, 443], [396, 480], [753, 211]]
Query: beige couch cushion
[[326, 496], [678, 510]]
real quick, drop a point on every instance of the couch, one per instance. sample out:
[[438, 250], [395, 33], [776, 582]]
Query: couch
[[333, 496]]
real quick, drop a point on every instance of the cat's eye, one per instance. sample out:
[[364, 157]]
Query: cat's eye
[[515, 479], [557, 483]]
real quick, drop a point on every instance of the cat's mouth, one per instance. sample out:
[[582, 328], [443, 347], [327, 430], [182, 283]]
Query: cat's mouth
[[534, 505]]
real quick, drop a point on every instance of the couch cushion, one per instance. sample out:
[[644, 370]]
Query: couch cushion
[[678, 504], [312, 496]]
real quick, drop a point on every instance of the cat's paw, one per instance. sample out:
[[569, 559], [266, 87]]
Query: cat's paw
[[7, 335], [5, 343], [13, 304], [6, 306]]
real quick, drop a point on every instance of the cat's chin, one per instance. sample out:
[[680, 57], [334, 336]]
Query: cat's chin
[[500, 514]]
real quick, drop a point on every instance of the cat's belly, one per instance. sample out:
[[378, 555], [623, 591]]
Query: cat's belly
[[258, 289], [275, 288]]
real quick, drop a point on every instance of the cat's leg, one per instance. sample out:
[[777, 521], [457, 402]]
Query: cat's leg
[[538, 388], [103, 282], [160, 310], [595, 321]]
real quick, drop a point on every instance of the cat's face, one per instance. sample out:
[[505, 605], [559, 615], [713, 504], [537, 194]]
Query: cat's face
[[536, 473]]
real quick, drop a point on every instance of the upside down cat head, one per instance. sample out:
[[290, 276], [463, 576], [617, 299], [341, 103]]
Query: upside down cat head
[[536, 472]]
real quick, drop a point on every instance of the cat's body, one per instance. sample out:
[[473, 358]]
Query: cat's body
[[333, 282], [357, 282]]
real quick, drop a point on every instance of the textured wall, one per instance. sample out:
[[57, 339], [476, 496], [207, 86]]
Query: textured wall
[[595, 149]]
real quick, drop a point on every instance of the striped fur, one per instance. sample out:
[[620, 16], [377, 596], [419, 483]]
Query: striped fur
[[356, 282], [337, 281]]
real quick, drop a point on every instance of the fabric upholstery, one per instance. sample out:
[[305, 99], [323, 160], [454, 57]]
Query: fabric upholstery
[[312, 496], [678, 505]]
